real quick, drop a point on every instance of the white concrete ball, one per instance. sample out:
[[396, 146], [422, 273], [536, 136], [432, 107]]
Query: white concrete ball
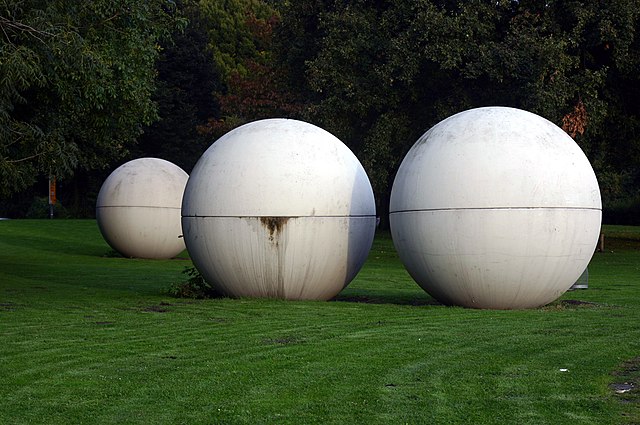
[[279, 208], [138, 209], [495, 208]]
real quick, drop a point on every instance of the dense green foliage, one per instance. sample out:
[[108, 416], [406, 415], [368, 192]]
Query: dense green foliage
[[255, 83], [188, 79], [382, 73], [89, 337], [232, 41], [76, 83], [376, 74]]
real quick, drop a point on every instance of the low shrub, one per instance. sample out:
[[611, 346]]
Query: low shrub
[[626, 212], [194, 287], [40, 208]]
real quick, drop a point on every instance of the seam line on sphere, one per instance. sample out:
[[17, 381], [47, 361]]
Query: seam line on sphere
[[287, 216], [495, 208], [138, 206]]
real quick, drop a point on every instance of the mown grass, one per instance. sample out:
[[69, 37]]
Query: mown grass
[[89, 337]]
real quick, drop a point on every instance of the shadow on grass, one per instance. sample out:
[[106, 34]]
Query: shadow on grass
[[368, 299], [571, 304]]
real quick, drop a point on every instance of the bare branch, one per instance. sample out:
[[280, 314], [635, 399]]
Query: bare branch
[[111, 18], [5, 33], [27, 158], [19, 26]]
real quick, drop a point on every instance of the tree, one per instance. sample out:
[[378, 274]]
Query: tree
[[614, 46], [232, 40], [256, 84], [352, 85], [185, 94], [379, 74], [77, 79]]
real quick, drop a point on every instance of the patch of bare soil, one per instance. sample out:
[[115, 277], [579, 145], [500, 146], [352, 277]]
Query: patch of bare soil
[[8, 306], [626, 387], [570, 304], [285, 340], [373, 300], [578, 303], [160, 308]]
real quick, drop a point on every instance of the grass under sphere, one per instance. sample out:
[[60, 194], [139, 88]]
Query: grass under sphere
[[87, 336]]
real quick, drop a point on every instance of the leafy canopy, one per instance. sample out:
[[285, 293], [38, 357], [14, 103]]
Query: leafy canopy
[[76, 82], [379, 74]]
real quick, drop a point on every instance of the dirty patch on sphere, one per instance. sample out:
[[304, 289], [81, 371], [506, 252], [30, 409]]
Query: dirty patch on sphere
[[274, 224]]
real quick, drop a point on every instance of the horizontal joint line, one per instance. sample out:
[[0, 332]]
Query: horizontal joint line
[[497, 208], [279, 216]]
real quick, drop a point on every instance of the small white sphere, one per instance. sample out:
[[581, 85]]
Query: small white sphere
[[495, 208], [278, 208], [138, 208]]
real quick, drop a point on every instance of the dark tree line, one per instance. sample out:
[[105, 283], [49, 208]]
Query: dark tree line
[[76, 80], [378, 74]]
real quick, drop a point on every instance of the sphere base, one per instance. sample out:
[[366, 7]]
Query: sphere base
[[293, 258], [496, 258]]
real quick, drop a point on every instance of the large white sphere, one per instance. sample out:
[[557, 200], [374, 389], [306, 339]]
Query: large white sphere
[[138, 208], [278, 209], [495, 208]]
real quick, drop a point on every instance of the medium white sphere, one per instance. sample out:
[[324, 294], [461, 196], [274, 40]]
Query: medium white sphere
[[278, 208], [138, 208], [495, 208]]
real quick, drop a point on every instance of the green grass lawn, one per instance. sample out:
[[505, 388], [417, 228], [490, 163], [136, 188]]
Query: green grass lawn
[[90, 337]]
